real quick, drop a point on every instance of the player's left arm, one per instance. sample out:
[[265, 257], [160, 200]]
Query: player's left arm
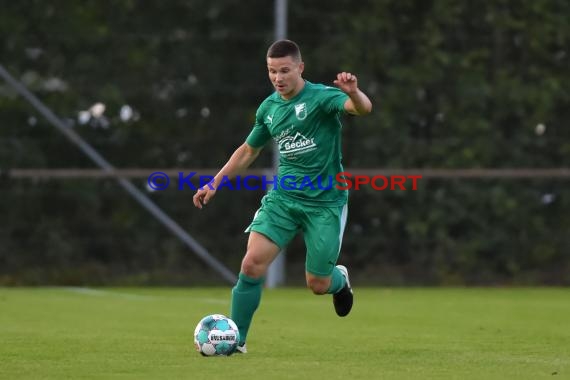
[[357, 102]]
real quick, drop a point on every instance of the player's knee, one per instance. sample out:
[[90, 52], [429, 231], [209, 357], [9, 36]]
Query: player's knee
[[318, 285], [253, 267]]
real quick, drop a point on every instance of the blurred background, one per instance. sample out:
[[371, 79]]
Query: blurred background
[[471, 95]]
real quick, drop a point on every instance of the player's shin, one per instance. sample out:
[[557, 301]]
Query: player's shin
[[337, 281], [246, 296]]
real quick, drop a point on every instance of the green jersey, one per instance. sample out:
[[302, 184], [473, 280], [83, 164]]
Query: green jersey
[[307, 130]]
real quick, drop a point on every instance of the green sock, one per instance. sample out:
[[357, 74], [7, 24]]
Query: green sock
[[245, 300], [337, 281]]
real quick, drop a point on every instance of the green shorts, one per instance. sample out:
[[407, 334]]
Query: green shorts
[[280, 219]]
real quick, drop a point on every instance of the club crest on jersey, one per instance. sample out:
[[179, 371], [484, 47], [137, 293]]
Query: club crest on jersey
[[301, 111]]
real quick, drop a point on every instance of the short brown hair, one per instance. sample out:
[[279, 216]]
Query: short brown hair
[[284, 48]]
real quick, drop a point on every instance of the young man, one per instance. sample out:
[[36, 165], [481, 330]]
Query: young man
[[304, 120]]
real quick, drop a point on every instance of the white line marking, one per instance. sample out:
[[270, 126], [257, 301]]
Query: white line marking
[[131, 296]]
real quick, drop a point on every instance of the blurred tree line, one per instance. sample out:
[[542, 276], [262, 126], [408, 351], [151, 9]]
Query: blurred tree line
[[454, 84]]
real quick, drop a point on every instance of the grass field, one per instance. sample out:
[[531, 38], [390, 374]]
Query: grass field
[[146, 333]]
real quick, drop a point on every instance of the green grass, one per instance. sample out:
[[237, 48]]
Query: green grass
[[146, 333]]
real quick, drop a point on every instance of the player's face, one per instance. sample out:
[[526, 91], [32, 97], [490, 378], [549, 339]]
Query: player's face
[[285, 75]]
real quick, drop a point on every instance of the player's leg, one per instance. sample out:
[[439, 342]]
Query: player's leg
[[271, 229], [324, 229], [246, 294], [331, 284], [343, 298]]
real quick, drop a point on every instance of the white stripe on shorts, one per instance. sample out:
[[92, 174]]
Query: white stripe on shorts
[[343, 217]]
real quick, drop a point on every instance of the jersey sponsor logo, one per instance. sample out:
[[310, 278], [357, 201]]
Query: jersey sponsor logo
[[296, 144], [301, 111], [283, 133], [270, 119]]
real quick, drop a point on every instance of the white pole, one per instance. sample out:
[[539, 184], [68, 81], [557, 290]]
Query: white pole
[[276, 271]]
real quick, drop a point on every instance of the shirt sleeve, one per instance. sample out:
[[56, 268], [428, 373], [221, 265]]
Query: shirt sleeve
[[259, 135], [333, 100]]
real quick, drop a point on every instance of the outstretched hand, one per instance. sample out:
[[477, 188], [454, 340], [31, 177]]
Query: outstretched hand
[[346, 82]]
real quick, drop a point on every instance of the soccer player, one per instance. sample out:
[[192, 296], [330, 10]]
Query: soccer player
[[303, 118]]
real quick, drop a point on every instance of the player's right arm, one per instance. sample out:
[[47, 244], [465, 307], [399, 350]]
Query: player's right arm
[[240, 160]]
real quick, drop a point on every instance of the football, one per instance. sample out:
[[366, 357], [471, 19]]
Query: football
[[216, 335]]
